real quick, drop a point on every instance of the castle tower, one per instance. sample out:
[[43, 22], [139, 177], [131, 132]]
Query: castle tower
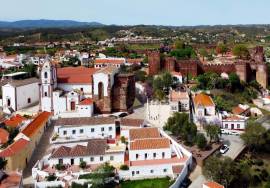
[[48, 82], [169, 64], [241, 71], [262, 75], [154, 63]]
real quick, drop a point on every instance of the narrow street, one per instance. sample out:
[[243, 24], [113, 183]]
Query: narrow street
[[37, 155]]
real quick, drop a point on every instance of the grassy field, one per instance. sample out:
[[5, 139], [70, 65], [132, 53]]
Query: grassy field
[[149, 183]]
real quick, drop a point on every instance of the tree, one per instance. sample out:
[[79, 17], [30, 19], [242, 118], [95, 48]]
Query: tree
[[159, 95], [221, 48], [140, 76], [254, 135], [234, 80], [240, 50], [179, 44], [158, 83], [221, 170], [83, 164], [213, 131], [203, 52], [201, 141], [167, 80]]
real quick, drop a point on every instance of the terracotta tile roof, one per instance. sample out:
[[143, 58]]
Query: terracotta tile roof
[[174, 160], [109, 61], [238, 110], [107, 70], [177, 95], [135, 61], [233, 118], [36, 124], [75, 75], [14, 148], [212, 184], [143, 133], [85, 121], [11, 180], [86, 101], [131, 122], [203, 99], [14, 121], [4, 135], [18, 83], [151, 143], [177, 169], [94, 147]]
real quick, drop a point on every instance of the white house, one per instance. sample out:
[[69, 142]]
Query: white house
[[19, 94], [234, 122], [110, 61], [179, 101], [85, 128]]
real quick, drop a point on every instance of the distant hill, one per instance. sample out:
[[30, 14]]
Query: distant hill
[[47, 24]]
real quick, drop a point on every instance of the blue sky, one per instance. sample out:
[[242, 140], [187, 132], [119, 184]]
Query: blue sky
[[130, 12]]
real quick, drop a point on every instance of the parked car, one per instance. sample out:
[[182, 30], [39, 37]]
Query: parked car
[[224, 149]]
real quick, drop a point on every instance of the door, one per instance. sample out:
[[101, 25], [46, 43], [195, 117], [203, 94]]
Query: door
[[72, 105]]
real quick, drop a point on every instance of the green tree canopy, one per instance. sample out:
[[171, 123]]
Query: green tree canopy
[[201, 141], [240, 50]]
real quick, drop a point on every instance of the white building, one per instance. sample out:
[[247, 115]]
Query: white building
[[110, 61], [68, 92], [85, 128], [234, 122], [179, 101], [204, 108], [19, 94]]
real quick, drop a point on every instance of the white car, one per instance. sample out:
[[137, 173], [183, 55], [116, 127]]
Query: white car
[[224, 149]]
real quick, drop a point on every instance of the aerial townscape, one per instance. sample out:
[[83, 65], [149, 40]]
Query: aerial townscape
[[151, 104]]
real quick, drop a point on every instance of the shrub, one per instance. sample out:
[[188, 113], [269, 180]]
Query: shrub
[[123, 139], [124, 167], [51, 177], [82, 164], [201, 141], [60, 167], [258, 162]]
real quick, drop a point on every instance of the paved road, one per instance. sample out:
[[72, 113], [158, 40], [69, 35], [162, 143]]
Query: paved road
[[235, 143], [39, 152]]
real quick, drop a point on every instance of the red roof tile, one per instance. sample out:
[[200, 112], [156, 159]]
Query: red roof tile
[[109, 61], [151, 143], [86, 101], [213, 184], [4, 135], [14, 148], [177, 169], [35, 125], [204, 100], [131, 122], [143, 133], [75, 75], [14, 121], [12, 179]]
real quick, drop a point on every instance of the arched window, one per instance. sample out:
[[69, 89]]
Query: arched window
[[45, 94], [45, 75], [100, 90]]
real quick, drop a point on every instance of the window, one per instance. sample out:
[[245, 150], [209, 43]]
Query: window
[[81, 131], [151, 171], [45, 75], [29, 100], [100, 90], [45, 94], [60, 161], [64, 132], [92, 130], [111, 158], [8, 102], [73, 131], [81, 159], [133, 173], [110, 128], [163, 154], [81, 89], [145, 155], [137, 172], [164, 170], [137, 156], [92, 159], [72, 161], [238, 126], [226, 126], [101, 158], [154, 155], [102, 129]]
